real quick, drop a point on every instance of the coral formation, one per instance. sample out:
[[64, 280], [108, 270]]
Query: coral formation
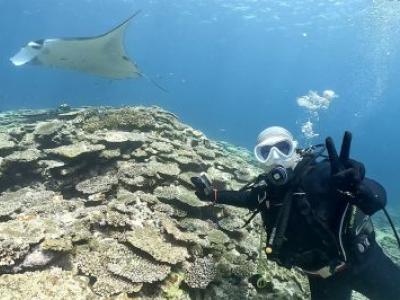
[[49, 284], [200, 273], [151, 241]]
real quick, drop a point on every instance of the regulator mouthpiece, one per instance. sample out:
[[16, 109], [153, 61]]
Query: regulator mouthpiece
[[278, 175]]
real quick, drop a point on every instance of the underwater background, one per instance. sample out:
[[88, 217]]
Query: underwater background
[[231, 67]]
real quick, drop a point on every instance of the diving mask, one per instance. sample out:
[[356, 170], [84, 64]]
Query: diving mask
[[281, 149], [276, 146]]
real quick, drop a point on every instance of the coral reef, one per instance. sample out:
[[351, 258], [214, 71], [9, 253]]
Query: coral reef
[[49, 284]]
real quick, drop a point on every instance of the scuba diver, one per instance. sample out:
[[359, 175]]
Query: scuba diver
[[316, 211]]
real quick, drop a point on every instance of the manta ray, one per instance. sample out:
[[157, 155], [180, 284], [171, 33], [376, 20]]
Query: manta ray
[[102, 55]]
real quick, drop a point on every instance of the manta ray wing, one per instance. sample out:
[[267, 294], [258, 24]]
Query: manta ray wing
[[102, 55]]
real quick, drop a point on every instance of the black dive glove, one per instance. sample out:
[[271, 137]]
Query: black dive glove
[[204, 188], [346, 174], [350, 178], [347, 178]]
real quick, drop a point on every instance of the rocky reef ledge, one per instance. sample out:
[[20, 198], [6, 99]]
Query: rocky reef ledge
[[97, 203]]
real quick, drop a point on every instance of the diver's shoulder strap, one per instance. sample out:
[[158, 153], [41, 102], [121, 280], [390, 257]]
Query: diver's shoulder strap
[[278, 232], [303, 167]]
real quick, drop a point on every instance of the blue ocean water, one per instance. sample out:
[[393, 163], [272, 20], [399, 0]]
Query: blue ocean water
[[232, 67]]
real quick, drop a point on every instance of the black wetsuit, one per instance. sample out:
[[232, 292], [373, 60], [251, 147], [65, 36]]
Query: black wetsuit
[[311, 239]]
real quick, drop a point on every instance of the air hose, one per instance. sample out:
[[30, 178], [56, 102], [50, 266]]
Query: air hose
[[392, 225]]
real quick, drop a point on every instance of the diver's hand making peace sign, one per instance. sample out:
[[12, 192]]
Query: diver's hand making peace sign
[[346, 173]]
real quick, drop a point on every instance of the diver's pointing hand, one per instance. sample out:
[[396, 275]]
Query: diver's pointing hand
[[346, 144], [346, 173], [336, 165], [338, 162]]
